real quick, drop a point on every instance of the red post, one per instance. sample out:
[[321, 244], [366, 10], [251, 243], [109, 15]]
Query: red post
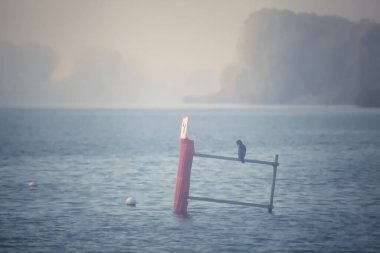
[[186, 154]]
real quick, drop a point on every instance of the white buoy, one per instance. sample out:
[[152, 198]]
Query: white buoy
[[32, 184], [131, 201]]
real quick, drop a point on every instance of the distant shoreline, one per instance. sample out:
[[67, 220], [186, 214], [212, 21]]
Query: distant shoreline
[[200, 106]]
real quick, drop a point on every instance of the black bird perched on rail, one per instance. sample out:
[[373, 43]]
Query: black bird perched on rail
[[242, 150]]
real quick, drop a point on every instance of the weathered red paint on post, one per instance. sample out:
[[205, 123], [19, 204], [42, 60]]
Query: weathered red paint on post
[[181, 195]]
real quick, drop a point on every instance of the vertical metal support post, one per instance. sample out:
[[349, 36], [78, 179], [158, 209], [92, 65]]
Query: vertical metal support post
[[183, 176], [270, 207]]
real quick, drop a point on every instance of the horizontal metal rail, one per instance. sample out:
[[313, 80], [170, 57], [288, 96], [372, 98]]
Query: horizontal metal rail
[[236, 159], [227, 202]]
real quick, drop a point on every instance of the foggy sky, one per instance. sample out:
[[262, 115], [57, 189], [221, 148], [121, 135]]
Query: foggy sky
[[129, 53]]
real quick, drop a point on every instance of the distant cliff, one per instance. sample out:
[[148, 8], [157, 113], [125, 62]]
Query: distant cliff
[[301, 58]]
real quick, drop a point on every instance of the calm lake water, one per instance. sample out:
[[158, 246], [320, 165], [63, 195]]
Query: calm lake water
[[87, 162]]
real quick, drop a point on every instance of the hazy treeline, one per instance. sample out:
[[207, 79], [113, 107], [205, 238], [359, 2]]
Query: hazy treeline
[[98, 77], [301, 58]]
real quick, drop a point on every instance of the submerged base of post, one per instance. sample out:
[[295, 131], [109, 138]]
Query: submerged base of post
[[181, 195]]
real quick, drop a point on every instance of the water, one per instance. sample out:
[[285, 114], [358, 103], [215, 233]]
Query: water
[[87, 162]]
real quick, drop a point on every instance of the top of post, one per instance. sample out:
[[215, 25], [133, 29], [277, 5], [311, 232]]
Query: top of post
[[185, 120]]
